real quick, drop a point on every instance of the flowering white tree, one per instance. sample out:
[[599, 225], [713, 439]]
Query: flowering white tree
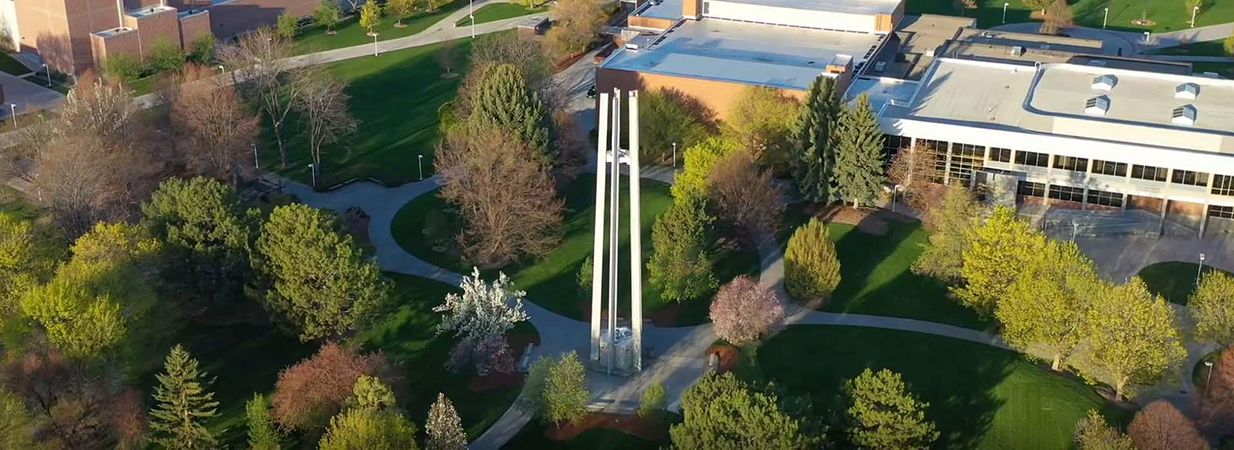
[[444, 428], [480, 317], [745, 310]]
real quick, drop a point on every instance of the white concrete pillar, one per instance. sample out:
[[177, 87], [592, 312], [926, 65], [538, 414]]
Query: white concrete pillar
[[636, 259], [597, 262], [614, 229]]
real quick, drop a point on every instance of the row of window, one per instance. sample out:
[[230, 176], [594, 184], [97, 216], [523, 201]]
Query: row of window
[[1070, 194], [1224, 212]]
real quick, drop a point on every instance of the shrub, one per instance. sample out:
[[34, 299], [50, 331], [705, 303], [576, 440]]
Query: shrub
[[286, 26], [1161, 426], [164, 56], [308, 393], [811, 268], [123, 66], [556, 389], [201, 49], [652, 402], [745, 310]]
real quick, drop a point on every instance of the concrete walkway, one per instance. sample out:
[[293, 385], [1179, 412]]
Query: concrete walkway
[[1128, 43]]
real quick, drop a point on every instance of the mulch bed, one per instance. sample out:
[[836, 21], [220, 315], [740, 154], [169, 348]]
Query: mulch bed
[[868, 221], [651, 430], [666, 316], [729, 356], [518, 342]]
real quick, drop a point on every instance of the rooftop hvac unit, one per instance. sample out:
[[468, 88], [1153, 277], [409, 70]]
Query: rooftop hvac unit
[[1017, 50], [1183, 115], [1188, 91], [1104, 82], [1097, 106]]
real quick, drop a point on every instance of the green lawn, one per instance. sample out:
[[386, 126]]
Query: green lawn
[[1224, 69], [980, 396], [532, 437], [349, 32], [1205, 48], [552, 281], [875, 276], [10, 65], [246, 358], [395, 97], [499, 11], [1174, 280], [1168, 15], [12, 202]]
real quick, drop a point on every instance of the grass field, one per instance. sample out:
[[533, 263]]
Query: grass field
[[875, 276], [395, 97], [1174, 280], [499, 11], [1205, 48], [1168, 15], [246, 358], [12, 202], [349, 32], [532, 437], [552, 281], [10, 65], [980, 396], [1224, 69]]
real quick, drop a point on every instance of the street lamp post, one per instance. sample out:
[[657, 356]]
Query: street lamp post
[[1148, 36], [894, 190], [256, 162], [1209, 365], [1105, 18], [674, 156], [420, 164], [374, 44], [13, 112], [313, 170], [47, 70], [1193, 11], [471, 13], [1005, 5], [222, 69], [1200, 270]]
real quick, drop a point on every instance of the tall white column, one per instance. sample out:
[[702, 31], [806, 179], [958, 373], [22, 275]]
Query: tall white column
[[614, 229], [636, 258], [597, 259]]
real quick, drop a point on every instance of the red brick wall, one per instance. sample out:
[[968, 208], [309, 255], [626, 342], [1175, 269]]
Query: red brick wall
[[232, 18], [193, 26], [159, 26]]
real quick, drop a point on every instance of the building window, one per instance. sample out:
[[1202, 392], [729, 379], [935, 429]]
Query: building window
[[1000, 154], [1223, 185], [1224, 212], [893, 145], [938, 150], [1032, 159], [1149, 173], [965, 160], [1189, 178], [1067, 193], [706, 7], [1105, 198], [1031, 189], [1109, 168], [1071, 163]]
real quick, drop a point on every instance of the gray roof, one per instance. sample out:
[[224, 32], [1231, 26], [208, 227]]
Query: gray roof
[[747, 53], [665, 9]]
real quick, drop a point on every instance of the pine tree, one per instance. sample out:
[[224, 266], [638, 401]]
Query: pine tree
[[505, 102], [262, 434], [812, 144], [859, 173], [680, 264], [883, 414], [444, 428], [183, 404], [811, 268]]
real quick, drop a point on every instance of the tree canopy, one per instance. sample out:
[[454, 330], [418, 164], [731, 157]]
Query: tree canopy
[[812, 140], [883, 414], [724, 413], [859, 173]]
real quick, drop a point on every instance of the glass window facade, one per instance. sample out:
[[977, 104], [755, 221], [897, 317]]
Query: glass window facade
[[1000, 154], [1071, 163], [1031, 189], [1105, 198], [1032, 158], [1109, 168], [1150, 173], [1223, 185], [1067, 193], [1189, 178]]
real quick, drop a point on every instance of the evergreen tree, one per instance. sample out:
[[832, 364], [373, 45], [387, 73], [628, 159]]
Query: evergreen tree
[[811, 268], [444, 428], [556, 389], [723, 412], [262, 433], [651, 403], [883, 414], [505, 102], [680, 264], [183, 404], [859, 174], [812, 144]]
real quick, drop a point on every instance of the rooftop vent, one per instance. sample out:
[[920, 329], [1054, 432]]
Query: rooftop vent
[[1183, 115], [1017, 50], [1097, 63], [1187, 91], [1097, 106], [1104, 82]]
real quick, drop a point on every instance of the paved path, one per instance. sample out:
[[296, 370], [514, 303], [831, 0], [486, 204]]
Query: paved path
[[1128, 43], [1197, 34]]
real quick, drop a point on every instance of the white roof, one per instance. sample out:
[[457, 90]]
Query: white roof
[[747, 53], [864, 7]]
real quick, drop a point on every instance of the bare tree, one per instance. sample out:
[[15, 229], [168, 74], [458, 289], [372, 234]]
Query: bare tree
[[18, 159], [267, 75], [1056, 18], [103, 110], [1161, 426], [447, 57], [323, 108], [744, 195], [218, 129], [504, 196]]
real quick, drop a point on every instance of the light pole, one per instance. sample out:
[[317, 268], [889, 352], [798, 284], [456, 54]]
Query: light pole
[[1209, 365], [674, 156], [1193, 11], [471, 13], [420, 164], [13, 112], [47, 71], [1005, 5], [1105, 18], [256, 162], [1147, 37], [374, 44], [313, 170], [894, 190], [222, 69], [1200, 270]]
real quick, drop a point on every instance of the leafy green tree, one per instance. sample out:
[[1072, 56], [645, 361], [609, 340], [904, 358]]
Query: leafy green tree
[[262, 434], [811, 268], [883, 414], [504, 101], [316, 278], [327, 15], [76, 321], [164, 56], [204, 223], [370, 392], [370, 16], [1131, 335], [859, 174], [651, 403], [201, 48], [692, 181], [811, 140], [996, 251], [183, 404], [763, 118], [1094, 433], [26, 258], [1212, 306], [400, 9], [556, 389], [123, 66], [680, 265], [577, 25], [369, 428], [667, 116], [723, 412], [1045, 307], [16, 423], [585, 273], [286, 26], [1228, 45], [942, 257], [443, 426]]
